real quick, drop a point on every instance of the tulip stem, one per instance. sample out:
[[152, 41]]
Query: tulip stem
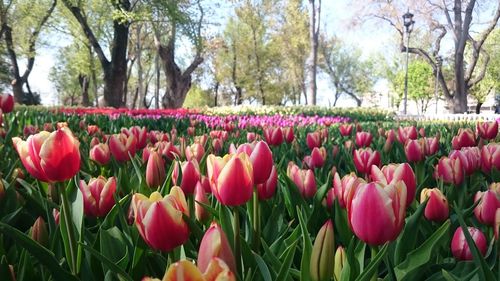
[[236, 231], [68, 230], [256, 221], [374, 254]]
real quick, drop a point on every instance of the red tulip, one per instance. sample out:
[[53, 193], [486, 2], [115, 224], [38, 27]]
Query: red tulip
[[273, 136], [140, 134], [100, 154], [215, 245], [121, 145], [201, 197], [190, 175], [30, 130], [262, 162], [486, 209], [6, 103], [415, 150], [313, 140], [329, 199], [344, 188], [364, 158], [437, 208], [155, 170], [421, 132], [303, 179], [267, 189], [345, 129], [487, 130], [449, 170], [460, 248], [407, 133], [469, 157], [98, 196], [195, 151], [173, 231], [464, 138], [317, 158], [231, 178], [393, 173], [431, 146], [93, 129], [490, 157], [377, 212], [363, 139], [205, 183], [288, 134], [50, 157]]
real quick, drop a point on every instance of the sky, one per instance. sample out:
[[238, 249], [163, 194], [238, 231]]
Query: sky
[[336, 15]]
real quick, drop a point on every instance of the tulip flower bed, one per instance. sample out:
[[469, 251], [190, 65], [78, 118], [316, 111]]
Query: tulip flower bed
[[192, 195]]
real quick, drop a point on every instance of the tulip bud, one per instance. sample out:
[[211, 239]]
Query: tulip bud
[[55, 214], [389, 141], [267, 189], [217, 145], [303, 179], [218, 270], [6, 103], [340, 260], [329, 199], [486, 209], [251, 136], [322, 255], [155, 170], [313, 140], [335, 151], [415, 150], [39, 232], [183, 270], [53, 193], [363, 139], [98, 196], [2, 190], [288, 134], [345, 129], [407, 133], [200, 196], [469, 157], [460, 248], [437, 208], [318, 157], [490, 157], [431, 146], [273, 136], [140, 136], [215, 244], [487, 130], [100, 154], [190, 175], [421, 132], [262, 162], [195, 151], [497, 224], [464, 138], [121, 145], [449, 170]]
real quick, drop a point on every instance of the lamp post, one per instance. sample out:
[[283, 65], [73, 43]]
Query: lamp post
[[439, 62], [408, 23]]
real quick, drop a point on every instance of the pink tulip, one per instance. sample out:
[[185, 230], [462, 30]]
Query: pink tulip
[[262, 162], [415, 150], [303, 179], [363, 139], [390, 137], [195, 151], [431, 146], [344, 188], [345, 129], [407, 133], [190, 171], [215, 245], [121, 146], [437, 208], [98, 196], [267, 189], [273, 136], [393, 173], [469, 157], [155, 170], [364, 158], [377, 212], [201, 197], [464, 138], [449, 170], [140, 134], [288, 134], [313, 140], [460, 248], [100, 154], [487, 130], [490, 157], [6, 103], [317, 158], [486, 209]]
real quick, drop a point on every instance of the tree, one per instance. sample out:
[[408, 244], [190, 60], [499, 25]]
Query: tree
[[312, 60], [349, 74], [442, 18], [114, 69], [21, 23]]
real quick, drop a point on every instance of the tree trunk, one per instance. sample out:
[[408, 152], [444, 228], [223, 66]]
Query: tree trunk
[[312, 60], [140, 72], [478, 107], [216, 93], [83, 80]]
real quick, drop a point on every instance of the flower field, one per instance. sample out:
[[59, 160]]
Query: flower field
[[269, 194]]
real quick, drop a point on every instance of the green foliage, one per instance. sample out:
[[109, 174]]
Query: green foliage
[[420, 84], [197, 98]]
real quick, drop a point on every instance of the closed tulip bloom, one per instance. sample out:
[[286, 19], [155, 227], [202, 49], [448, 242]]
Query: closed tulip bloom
[[348, 145], [317, 158], [231, 178], [218, 270], [288, 134], [190, 175], [460, 248], [39, 232], [490, 157], [407, 133], [6, 103], [205, 182], [98, 196], [497, 224], [345, 129], [173, 231], [50, 157], [449, 170], [340, 261], [437, 208], [322, 255], [393, 173], [267, 189], [56, 214], [183, 271], [201, 197], [469, 157], [273, 136], [217, 145], [262, 162], [464, 138], [100, 154], [415, 150], [195, 151], [363, 139], [251, 136], [431, 146], [364, 158], [140, 134], [329, 199], [487, 130], [344, 188], [215, 245], [304, 180], [377, 212], [121, 145], [421, 132], [390, 137], [486, 209], [313, 140], [155, 170]]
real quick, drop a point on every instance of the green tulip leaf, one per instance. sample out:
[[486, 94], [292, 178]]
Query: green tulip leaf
[[287, 258], [264, 270], [107, 262], [372, 267], [408, 239], [307, 248]]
